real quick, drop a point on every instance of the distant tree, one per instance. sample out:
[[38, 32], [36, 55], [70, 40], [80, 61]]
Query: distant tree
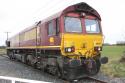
[[121, 43], [106, 44], [2, 47]]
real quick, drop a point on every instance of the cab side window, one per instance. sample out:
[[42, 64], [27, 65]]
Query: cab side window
[[51, 29]]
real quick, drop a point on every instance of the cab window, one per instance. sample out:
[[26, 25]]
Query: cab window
[[73, 24], [51, 29], [92, 26]]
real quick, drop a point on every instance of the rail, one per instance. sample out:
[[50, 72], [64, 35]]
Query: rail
[[95, 80]]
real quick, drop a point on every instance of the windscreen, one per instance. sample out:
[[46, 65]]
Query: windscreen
[[92, 26], [73, 24]]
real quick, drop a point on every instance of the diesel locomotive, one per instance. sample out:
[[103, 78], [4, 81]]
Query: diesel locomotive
[[67, 44]]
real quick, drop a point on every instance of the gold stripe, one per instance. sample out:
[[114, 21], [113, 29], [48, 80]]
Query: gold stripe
[[32, 47]]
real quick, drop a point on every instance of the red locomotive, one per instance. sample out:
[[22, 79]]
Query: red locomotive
[[67, 44]]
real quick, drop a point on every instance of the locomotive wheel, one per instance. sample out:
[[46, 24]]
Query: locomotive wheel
[[29, 60], [58, 73], [23, 58], [11, 56], [37, 66], [95, 68]]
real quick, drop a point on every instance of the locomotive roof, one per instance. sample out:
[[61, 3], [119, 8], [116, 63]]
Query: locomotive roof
[[79, 7]]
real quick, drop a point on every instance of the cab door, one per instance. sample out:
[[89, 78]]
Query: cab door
[[53, 32]]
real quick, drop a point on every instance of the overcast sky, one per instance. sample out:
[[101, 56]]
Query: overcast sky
[[16, 15]]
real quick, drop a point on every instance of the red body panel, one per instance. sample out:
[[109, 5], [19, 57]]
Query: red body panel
[[44, 38]]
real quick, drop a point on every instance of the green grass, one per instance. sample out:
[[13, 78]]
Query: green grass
[[114, 68], [2, 51]]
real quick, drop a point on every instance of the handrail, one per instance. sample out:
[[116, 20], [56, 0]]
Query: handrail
[[14, 80]]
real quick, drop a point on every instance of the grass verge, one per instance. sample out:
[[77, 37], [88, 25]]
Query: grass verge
[[114, 68], [2, 51]]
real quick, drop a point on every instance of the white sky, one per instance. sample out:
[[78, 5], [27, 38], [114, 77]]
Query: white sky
[[16, 15]]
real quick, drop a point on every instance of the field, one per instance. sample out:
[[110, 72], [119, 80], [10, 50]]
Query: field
[[2, 51], [114, 68]]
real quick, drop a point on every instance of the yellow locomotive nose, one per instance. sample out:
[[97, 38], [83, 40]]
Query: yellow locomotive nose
[[82, 45]]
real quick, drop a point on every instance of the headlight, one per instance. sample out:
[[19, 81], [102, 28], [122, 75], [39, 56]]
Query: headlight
[[97, 48], [69, 49]]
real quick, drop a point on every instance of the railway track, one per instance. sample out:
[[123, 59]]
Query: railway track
[[86, 80], [83, 80], [4, 55], [95, 80]]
